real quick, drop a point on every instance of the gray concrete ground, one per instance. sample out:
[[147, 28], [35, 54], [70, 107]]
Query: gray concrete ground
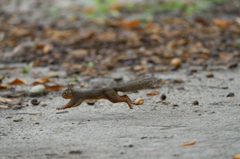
[[152, 130]]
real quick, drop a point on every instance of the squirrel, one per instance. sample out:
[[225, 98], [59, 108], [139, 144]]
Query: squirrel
[[109, 93]]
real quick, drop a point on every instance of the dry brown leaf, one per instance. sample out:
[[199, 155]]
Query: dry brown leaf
[[8, 68], [35, 120], [89, 71], [3, 106], [60, 34], [153, 93], [15, 95], [43, 80], [21, 32], [236, 156], [3, 86], [139, 67], [130, 23], [18, 81], [78, 53], [188, 143], [221, 23], [9, 101], [53, 88], [225, 56], [116, 6]]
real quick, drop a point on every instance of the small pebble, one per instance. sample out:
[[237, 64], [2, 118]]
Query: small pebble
[[75, 152], [176, 62], [195, 102], [37, 90], [44, 105], [209, 75], [118, 79], [91, 102], [139, 101], [163, 96], [230, 94], [17, 120], [232, 65], [34, 101]]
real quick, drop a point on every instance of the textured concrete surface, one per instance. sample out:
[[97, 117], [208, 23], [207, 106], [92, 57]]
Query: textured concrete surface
[[152, 130]]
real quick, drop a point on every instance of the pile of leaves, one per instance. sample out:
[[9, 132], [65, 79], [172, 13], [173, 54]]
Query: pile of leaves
[[93, 46]]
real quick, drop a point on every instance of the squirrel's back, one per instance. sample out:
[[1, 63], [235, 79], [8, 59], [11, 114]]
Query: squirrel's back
[[137, 85]]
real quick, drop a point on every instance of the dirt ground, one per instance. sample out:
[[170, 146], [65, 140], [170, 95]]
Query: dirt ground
[[107, 130]]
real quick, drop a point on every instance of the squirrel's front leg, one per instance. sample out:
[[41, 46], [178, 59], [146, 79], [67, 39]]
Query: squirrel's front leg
[[72, 103]]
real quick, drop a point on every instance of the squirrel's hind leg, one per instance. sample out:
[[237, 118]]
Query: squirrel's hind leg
[[113, 97], [129, 102]]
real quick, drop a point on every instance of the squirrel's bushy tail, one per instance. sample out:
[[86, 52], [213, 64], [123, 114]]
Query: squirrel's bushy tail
[[137, 85]]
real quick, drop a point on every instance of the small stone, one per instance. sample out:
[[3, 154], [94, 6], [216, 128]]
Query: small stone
[[75, 152], [37, 123], [230, 94], [52, 75], [195, 102], [44, 105], [34, 101], [139, 101], [163, 96], [91, 102], [118, 79], [209, 75], [176, 62], [232, 65], [17, 120], [37, 90]]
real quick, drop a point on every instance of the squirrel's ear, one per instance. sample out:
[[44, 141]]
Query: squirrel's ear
[[69, 86], [72, 86]]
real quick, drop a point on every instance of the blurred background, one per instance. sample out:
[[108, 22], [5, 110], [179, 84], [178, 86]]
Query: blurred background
[[97, 36]]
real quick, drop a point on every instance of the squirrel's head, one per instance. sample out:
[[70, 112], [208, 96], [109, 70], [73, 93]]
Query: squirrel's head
[[68, 93]]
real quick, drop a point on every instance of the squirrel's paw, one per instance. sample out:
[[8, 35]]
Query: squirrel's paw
[[60, 108]]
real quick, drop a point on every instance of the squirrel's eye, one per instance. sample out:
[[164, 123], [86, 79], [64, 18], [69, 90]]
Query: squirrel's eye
[[65, 92]]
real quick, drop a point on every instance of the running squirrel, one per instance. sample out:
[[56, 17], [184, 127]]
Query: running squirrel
[[109, 93]]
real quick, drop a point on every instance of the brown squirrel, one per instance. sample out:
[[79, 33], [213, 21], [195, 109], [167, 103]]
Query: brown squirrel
[[109, 93]]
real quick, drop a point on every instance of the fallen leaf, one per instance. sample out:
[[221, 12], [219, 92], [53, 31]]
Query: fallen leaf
[[15, 107], [21, 32], [9, 101], [187, 143], [8, 116], [178, 80], [18, 81], [236, 156], [8, 68], [221, 23], [53, 88], [35, 114], [3, 106], [130, 23], [15, 95], [153, 93], [43, 80], [17, 120], [3, 86], [35, 120]]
